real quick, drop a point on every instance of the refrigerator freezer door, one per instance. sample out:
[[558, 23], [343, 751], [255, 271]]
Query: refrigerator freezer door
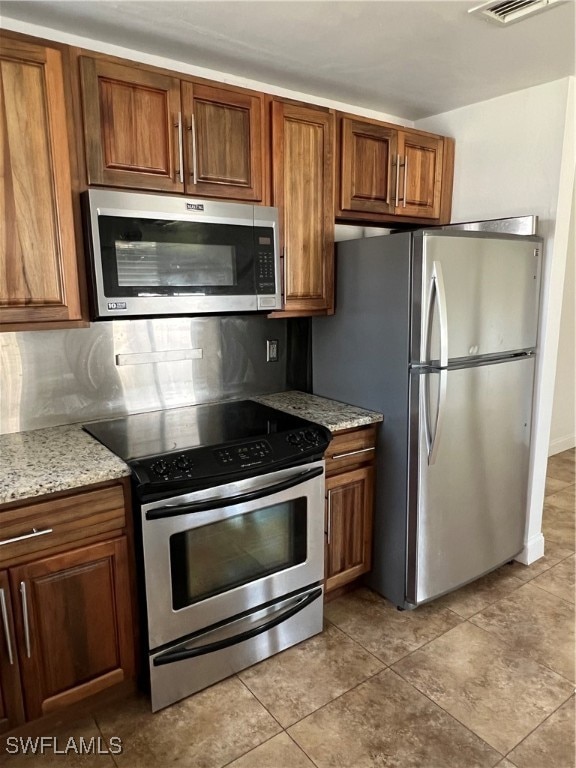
[[488, 289], [468, 473]]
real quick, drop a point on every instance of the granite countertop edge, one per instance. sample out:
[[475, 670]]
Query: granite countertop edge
[[51, 460], [65, 458], [333, 414]]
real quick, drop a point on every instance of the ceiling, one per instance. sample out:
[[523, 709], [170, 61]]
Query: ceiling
[[403, 57]]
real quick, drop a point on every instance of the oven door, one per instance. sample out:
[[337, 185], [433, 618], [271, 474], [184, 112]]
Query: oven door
[[223, 551]]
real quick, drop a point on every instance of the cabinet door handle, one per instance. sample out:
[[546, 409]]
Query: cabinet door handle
[[4, 610], [25, 617], [180, 171], [329, 517], [192, 129], [30, 535], [351, 453], [397, 181], [405, 181]]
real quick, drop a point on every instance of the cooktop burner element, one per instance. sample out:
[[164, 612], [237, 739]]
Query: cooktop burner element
[[198, 445]]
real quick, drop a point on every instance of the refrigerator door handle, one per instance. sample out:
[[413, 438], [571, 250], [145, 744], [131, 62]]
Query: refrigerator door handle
[[433, 440], [433, 452], [438, 283]]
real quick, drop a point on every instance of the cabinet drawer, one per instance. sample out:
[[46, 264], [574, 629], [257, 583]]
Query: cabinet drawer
[[50, 525], [347, 449]]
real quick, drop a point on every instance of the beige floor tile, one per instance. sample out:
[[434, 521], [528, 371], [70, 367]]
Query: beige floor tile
[[558, 525], [300, 680], [553, 486], [383, 630], [481, 593], [551, 744], [562, 466], [564, 499], [495, 691], [207, 730], [505, 764], [534, 623], [386, 723], [560, 580], [81, 735], [553, 554], [279, 752]]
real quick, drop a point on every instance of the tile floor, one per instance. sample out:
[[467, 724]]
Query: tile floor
[[482, 677]]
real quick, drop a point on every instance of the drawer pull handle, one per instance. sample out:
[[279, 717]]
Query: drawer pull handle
[[6, 626], [31, 535], [25, 617], [351, 453]]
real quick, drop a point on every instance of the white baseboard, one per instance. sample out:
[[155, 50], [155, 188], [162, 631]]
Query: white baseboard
[[533, 550], [561, 444]]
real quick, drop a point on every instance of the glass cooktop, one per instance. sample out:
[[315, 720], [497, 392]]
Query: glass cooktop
[[155, 433]]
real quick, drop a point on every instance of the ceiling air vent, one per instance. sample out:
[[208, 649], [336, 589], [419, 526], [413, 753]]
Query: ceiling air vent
[[511, 11]]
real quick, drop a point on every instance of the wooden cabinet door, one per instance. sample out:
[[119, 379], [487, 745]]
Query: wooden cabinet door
[[38, 267], [132, 126], [420, 185], [303, 183], [349, 511], [11, 705], [368, 167], [73, 625], [224, 142]]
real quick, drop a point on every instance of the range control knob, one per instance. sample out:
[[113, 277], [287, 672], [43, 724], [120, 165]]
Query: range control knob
[[160, 467], [182, 462], [311, 436], [295, 438]]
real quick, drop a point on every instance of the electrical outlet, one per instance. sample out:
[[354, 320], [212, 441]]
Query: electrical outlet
[[271, 350]]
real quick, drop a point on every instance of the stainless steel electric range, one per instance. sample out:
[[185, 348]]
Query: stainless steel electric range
[[229, 512]]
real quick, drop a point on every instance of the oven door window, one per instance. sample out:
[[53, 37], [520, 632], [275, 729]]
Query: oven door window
[[143, 257], [215, 558]]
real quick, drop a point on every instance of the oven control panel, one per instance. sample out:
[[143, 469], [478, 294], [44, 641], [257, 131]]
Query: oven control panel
[[189, 467], [244, 455]]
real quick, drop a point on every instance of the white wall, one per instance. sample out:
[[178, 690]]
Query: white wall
[[515, 156], [563, 428]]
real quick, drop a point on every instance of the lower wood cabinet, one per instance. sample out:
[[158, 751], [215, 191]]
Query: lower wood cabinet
[[66, 625], [11, 701], [349, 508]]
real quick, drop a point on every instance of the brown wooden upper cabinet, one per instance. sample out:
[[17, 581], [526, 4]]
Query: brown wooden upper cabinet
[[387, 171], [38, 264], [303, 190], [149, 130]]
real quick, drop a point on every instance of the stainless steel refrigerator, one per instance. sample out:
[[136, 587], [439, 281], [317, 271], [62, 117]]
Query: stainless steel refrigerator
[[437, 330]]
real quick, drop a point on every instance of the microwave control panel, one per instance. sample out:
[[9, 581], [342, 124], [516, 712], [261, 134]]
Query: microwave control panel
[[264, 261]]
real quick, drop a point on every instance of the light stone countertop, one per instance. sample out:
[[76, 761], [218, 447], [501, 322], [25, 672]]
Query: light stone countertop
[[53, 459], [63, 458], [332, 414]]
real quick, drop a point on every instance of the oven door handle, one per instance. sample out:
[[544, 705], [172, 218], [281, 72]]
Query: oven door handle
[[278, 617], [226, 501]]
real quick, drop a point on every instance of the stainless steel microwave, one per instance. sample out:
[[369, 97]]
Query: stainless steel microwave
[[169, 255]]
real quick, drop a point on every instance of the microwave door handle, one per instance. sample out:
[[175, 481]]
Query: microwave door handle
[[174, 510]]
